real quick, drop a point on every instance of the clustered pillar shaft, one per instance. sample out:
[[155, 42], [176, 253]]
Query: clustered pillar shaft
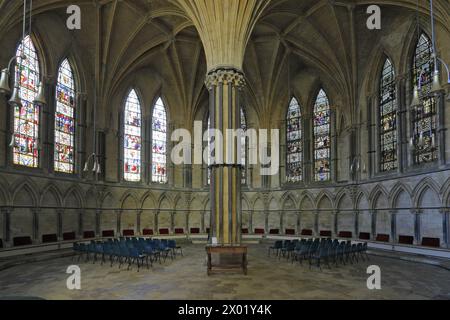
[[224, 85]]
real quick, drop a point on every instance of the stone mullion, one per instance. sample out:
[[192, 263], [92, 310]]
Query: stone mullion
[[316, 223], [36, 213], [393, 225], [6, 216], [80, 223], [336, 223], [138, 222], [371, 133], [440, 128], [119, 214], [417, 226], [402, 137], [59, 226], [374, 224], [98, 214], [446, 226], [334, 154]]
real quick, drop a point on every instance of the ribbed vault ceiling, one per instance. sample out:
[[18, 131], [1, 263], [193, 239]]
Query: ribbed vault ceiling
[[304, 35]]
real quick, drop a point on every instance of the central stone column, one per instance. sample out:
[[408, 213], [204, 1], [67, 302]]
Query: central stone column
[[224, 27], [224, 85]]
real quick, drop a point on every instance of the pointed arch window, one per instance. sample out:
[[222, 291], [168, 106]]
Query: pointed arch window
[[132, 138], [388, 118], [294, 143], [424, 115], [322, 138], [27, 116], [159, 143], [64, 154], [243, 148]]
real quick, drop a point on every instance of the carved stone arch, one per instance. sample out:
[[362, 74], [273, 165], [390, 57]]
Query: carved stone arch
[[165, 211], [258, 201], [422, 187], [258, 212], [322, 197], [28, 186], [148, 199], [50, 214], [129, 213], [165, 201], [196, 213], [129, 198], [290, 214], [73, 215], [325, 206], [274, 216], [148, 207], [108, 201], [377, 192], [397, 193], [52, 191], [181, 213], [286, 197], [362, 200], [109, 219], [306, 199], [76, 194], [343, 199], [445, 191], [24, 199]]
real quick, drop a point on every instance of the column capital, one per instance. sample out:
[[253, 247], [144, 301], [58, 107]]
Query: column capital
[[225, 76], [6, 210]]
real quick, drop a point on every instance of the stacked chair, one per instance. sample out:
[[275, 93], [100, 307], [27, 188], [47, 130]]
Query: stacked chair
[[320, 251], [132, 250]]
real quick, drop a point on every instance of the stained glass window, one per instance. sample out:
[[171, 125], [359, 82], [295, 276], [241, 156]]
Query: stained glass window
[[26, 117], [424, 115], [65, 120], [159, 149], [132, 138], [294, 143], [388, 119], [243, 148], [322, 138]]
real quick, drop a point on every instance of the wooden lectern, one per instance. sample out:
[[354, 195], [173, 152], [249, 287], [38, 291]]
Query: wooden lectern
[[224, 266]]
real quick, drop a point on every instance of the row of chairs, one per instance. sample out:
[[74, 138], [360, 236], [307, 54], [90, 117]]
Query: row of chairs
[[320, 251], [128, 250]]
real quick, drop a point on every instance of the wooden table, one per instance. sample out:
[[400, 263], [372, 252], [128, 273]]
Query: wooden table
[[227, 250]]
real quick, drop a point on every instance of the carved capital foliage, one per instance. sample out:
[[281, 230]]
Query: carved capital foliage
[[225, 77]]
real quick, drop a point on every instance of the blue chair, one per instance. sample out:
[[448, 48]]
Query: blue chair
[[135, 256], [277, 246], [173, 246], [165, 251]]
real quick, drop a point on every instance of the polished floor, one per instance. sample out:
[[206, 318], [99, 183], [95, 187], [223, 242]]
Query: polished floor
[[185, 278]]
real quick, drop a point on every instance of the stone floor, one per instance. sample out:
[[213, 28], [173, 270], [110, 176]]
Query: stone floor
[[268, 278]]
